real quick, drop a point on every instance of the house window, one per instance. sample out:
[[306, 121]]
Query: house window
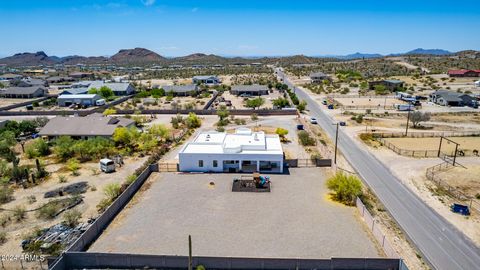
[[215, 163], [200, 163]]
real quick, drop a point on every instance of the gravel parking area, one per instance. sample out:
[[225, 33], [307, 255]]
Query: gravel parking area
[[295, 220]]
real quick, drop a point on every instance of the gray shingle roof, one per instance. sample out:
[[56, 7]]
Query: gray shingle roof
[[253, 87], [22, 90], [116, 87], [180, 88], [92, 125]]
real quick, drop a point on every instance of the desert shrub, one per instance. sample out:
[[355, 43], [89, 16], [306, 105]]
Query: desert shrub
[[4, 220], [130, 179], [3, 238], [6, 194], [31, 199], [192, 121], [48, 211], [37, 148], [62, 179], [73, 165], [366, 137], [345, 187], [72, 218], [19, 212], [314, 156], [112, 191], [200, 267], [305, 138]]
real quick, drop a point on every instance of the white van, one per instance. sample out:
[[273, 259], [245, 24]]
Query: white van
[[100, 102], [107, 165]]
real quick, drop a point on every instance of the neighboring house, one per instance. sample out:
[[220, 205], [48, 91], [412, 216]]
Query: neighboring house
[[81, 99], [60, 79], [119, 89], [94, 125], [24, 92], [242, 151], [10, 76], [81, 75], [250, 90], [319, 77], [27, 82], [464, 73], [75, 91], [207, 80], [181, 90], [449, 98], [392, 85]]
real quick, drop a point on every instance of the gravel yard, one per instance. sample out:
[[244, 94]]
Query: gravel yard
[[295, 220]]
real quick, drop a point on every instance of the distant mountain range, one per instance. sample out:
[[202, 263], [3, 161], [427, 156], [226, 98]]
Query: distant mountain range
[[141, 56]]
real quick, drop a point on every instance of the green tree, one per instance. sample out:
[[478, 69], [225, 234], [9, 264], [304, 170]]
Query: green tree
[[93, 91], [223, 114], [281, 132], [346, 187], [109, 111], [281, 102], [381, 89], [106, 92], [193, 121], [63, 148], [160, 131], [305, 138], [26, 127], [254, 103], [302, 106]]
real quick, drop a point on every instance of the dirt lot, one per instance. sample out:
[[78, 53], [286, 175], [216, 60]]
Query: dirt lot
[[11, 101], [466, 143], [379, 102], [163, 104], [465, 179], [239, 102], [88, 172], [294, 220]]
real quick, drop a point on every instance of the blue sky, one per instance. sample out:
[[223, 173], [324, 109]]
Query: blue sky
[[235, 27]]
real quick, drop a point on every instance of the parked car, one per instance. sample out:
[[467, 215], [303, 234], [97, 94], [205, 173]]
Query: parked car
[[342, 123], [299, 127], [313, 120], [107, 165]]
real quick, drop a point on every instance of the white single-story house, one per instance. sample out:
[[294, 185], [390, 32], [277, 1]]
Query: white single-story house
[[207, 80], [80, 99], [242, 151]]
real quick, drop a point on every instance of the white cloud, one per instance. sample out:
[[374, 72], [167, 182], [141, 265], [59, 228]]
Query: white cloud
[[148, 2]]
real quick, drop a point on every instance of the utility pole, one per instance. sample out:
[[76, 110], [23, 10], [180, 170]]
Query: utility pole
[[408, 120], [189, 252], [336, 142]]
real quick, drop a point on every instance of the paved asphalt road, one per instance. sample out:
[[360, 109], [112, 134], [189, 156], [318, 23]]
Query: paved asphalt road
[[441, 244]]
